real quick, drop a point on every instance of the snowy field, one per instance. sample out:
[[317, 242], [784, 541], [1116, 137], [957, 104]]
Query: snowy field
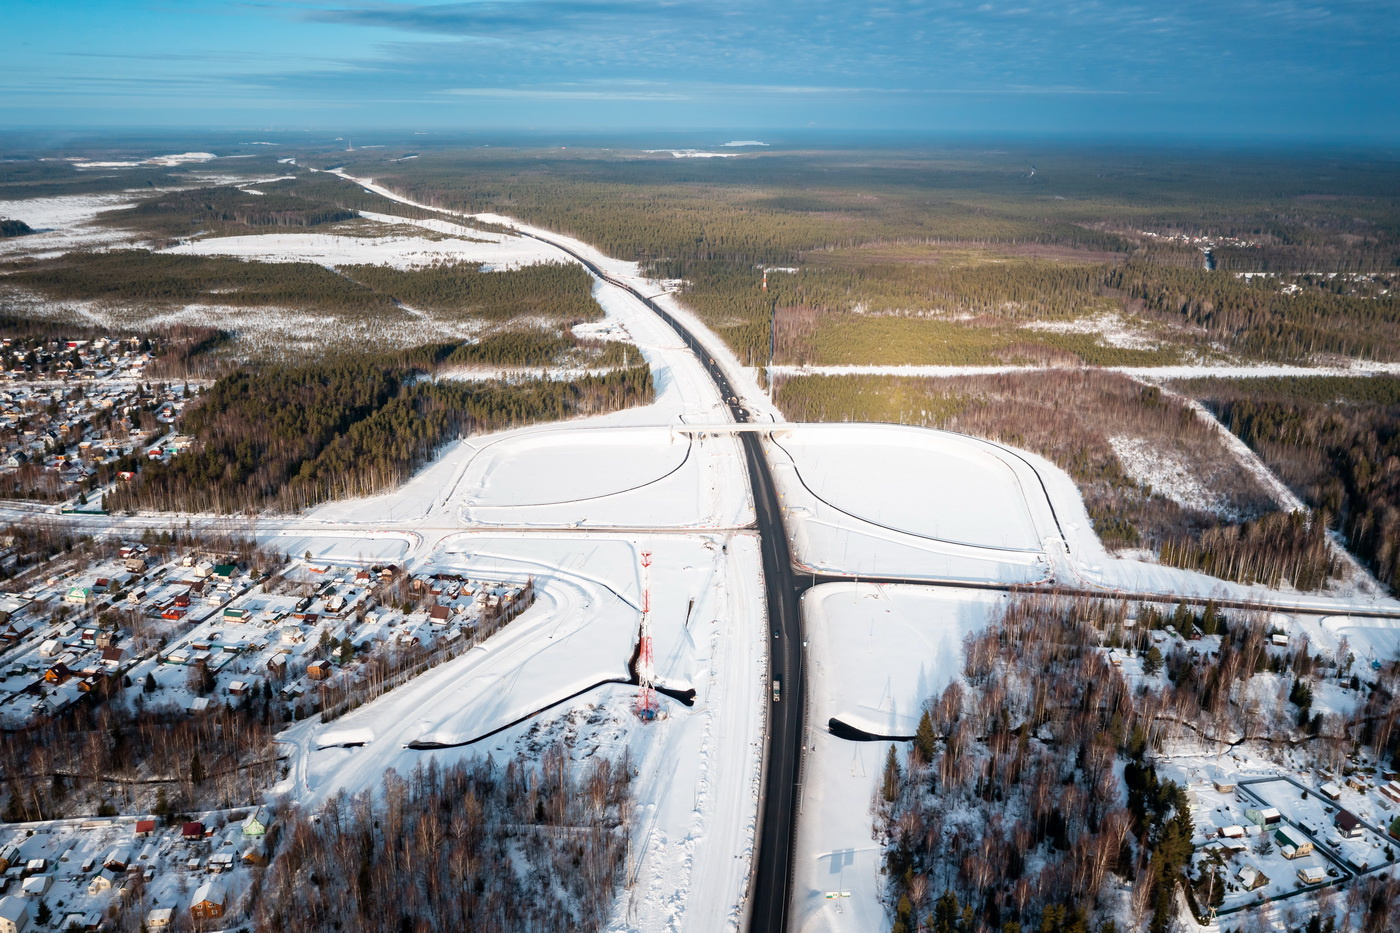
[[65, 223], [395, 251], [620, 477], [910, 502], [875, 654]]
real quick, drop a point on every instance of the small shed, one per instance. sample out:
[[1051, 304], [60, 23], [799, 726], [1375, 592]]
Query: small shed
[[160, 918], [1251, 878], [36, 885], [319, 670], [1331, 791]]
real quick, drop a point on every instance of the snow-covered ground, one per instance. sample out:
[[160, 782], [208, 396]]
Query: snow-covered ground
[[1109, 327], [698, 769], [398, 252], [910, 502], [65, 223], [1168, 475], [618, 477], [875, 654]]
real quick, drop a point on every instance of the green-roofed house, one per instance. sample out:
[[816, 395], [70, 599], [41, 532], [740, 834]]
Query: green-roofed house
[[1291, 843], [78, 595], [257, 822]]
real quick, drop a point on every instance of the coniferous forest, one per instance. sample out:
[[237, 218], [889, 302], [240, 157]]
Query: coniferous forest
[[289, 437]]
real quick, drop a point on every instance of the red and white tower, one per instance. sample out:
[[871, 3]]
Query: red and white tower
[[646, 706]]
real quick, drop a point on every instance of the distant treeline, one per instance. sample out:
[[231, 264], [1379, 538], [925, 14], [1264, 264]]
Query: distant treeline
[[181, 213], [1257, 317], [289, 437], [14, 228], [164, 278], [714, 223]]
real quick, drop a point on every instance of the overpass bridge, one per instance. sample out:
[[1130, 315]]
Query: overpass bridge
[[734, 427]]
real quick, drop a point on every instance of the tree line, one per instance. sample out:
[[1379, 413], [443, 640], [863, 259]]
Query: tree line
[[225, 208], [534, 844], [1335, 442], [289, 437]]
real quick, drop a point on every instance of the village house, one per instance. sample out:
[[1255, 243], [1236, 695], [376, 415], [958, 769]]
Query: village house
[[257, 822], [1263, 816], [1251, 878], [14, 915], [1292, 844], [209, 901], [104, 880]]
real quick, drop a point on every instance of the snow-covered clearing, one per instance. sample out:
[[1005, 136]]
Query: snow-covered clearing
[[876, 653], [398, 252], [692, 153], [1168, 476], [910, 502], [1111, 328], [640, 477], [179, 158], [65, 223]]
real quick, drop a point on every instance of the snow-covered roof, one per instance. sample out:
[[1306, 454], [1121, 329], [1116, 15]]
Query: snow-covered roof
[[212, 891], [13, 909]]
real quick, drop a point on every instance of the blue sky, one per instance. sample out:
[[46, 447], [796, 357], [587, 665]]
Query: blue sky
[[1324, 71]]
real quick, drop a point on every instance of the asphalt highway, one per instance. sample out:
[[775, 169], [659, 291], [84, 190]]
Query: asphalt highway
[[771, 892]]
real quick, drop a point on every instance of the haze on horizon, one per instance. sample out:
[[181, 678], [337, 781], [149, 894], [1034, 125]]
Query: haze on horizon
[[1240, 69]]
